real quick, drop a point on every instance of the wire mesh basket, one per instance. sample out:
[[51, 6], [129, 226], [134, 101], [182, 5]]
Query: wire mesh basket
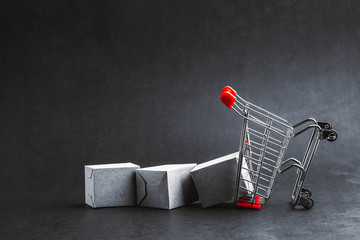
[[263, 141]]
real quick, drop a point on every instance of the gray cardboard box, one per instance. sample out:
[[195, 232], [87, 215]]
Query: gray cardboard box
[[110, 185], [166, 186], [215, 180]]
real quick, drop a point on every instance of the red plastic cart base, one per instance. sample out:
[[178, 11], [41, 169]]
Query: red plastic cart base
[[250, 205]]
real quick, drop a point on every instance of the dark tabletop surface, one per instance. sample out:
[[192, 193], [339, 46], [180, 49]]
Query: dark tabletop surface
[[335, 215], [86, 82]]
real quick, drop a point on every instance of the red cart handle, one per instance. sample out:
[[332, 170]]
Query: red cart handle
[[228, 99], [229, 89]]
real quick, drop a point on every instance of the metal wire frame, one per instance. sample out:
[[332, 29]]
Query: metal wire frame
[[260, 153], [303, 166]]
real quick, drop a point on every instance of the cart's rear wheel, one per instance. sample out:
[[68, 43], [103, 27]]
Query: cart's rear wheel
[[307, 192], [332, 136], [308, 203]]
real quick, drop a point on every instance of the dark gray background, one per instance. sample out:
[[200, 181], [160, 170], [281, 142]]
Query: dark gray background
[[87, 82]]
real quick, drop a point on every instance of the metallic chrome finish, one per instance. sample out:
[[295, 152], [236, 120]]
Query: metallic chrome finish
[[263, 141]]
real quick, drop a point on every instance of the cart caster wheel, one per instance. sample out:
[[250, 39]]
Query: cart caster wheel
[[324, 125], [308, 203], [332, 136], [307, 192]]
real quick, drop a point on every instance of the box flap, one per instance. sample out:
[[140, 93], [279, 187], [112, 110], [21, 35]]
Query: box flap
[[89, 186], [140, 188], [90, 173], [152, 189]]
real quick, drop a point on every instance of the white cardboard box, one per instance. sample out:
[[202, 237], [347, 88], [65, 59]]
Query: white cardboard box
[[110, 185], [166, 186], [215, 180]]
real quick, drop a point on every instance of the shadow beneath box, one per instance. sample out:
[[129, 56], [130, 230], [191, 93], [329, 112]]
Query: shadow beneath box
[[225, 205], [196, 205]]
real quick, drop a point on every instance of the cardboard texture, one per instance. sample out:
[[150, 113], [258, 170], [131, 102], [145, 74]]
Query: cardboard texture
[[246, 175], [166, 186], [110, 185], [215, 180]]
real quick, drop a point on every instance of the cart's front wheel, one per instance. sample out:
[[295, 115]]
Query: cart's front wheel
[[308, 203]]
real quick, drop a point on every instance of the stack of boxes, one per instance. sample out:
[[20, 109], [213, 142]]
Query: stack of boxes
[[167, 186]]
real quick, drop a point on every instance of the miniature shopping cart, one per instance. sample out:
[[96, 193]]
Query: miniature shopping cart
[[263, 141]]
